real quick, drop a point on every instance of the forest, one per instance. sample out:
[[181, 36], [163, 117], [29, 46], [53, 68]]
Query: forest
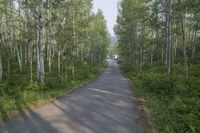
[[50, 47], [47, 48], [159, 44]]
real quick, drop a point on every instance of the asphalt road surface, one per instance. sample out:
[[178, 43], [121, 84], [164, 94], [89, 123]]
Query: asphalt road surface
[[105, 105]]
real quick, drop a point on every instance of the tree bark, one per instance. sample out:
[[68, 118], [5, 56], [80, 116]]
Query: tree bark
[[184, 46], [151, 51], [74, 43], [31, 61], [194, 44], [14, 38], [142, 47], [1, 69], [168, 37], [59, 55], [40, 41], [49, 34]]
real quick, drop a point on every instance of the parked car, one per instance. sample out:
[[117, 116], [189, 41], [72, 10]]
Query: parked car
[[115, 57]]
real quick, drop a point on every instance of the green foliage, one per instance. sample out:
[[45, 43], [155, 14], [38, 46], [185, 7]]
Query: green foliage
[[6, 108], [17, 97], [157, 37], [47, 48], [172, 102], [157, 83]]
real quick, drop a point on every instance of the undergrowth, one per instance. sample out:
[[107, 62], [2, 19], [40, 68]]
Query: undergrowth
[[171, 102], [18, 93]]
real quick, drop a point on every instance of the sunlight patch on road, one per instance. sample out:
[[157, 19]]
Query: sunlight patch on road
[[98, 90], [123, 79]]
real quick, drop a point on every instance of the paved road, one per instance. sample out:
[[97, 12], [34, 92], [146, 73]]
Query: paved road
[[106, 105]]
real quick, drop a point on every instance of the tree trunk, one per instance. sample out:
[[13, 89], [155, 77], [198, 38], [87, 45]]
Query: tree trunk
[[142, 47], [14, 38], [1, 69], [157, 31], [194, 44], [62, 66], [31, 62], [74, 43], [49, 34], [151, 51], [59, 54], [184, 46], [166, 39], [8, 71], [40, 42], [169, 37], [175, 49]]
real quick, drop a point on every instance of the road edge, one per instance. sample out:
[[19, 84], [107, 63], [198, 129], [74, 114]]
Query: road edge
[[15, 115], [142, 119]]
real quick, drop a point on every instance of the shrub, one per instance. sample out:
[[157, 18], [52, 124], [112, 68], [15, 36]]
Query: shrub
[[158, 84], [173, 102], [6, 106]]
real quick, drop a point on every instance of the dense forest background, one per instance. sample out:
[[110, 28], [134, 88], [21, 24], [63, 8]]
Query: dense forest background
[[47, 47], [159, 44]]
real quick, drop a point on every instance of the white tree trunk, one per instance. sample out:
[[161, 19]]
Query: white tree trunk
[[40, 42], [30, 56], [49, 57], [49, 34], [74, 43], [38, 54], [59, 53], [194, 44], [1, 70], [184, 45], [14, 39], [168, 37]]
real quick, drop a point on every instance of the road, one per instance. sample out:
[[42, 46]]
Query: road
[[105, 105]]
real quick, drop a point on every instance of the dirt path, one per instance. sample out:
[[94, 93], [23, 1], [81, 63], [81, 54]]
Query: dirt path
[[104, 106]]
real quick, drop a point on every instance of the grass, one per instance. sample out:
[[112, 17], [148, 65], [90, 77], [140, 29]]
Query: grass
[[19, 94], [171, 102]]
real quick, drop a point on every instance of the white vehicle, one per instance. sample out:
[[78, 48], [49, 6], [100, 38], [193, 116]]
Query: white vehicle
[[115, 57]]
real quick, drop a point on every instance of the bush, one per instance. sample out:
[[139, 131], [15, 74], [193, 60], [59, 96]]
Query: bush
[[173, 102], [7, 105], [194, 70], [18, 93], [157, 83], [32, 87]]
